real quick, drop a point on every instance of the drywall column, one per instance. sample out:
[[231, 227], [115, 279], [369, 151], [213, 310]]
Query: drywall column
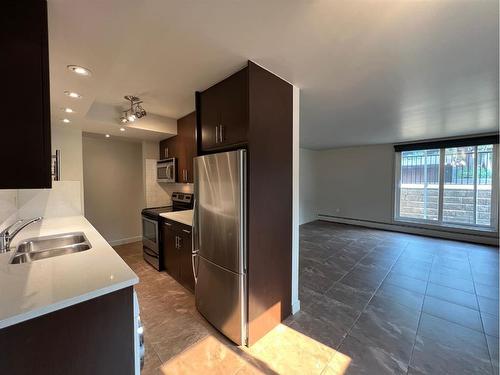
[[308, 177], [295, 200]]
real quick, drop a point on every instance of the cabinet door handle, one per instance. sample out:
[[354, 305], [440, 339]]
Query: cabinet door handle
[[217, 134], [168, 224], [186, 231], [176, 242], [221, 134], [166, 152], [185, 175]]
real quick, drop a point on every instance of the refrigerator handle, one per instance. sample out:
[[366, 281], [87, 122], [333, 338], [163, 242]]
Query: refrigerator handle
[[194, 249], [193, 262]]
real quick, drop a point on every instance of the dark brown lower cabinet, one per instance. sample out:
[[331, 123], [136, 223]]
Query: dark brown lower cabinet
[[93, 337], [186, 266], [170, 253], [177, 252]]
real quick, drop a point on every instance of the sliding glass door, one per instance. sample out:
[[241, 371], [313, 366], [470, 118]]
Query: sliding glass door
[[419, 185], [449, 186]]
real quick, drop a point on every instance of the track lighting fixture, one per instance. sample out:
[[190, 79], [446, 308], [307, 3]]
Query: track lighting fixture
[[134, 112]]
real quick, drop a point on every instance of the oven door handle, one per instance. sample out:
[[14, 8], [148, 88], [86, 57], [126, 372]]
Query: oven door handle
[[150, 252]]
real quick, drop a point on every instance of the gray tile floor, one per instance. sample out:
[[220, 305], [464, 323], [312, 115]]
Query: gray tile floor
[[398, 303], [394, 303]]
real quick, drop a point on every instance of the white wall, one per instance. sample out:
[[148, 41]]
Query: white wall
[[113, 182], [69, 141], [308, 175], [356, 182], [352, 183]]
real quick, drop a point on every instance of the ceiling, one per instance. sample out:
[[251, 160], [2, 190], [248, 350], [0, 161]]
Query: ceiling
[[370, 71]]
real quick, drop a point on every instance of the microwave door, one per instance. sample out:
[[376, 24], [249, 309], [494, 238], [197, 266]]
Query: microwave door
[[170, 172], [160, 173]]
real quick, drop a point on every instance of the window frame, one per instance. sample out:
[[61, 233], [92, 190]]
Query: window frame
[[439, 223]]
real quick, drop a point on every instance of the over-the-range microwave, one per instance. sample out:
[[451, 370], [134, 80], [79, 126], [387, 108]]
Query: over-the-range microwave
[[166, 170]]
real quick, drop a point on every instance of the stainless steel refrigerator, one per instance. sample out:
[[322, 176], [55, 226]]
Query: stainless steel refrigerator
[[219, 242]]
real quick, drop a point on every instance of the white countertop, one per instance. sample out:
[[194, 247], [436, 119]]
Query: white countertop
[[32, 289], [184, 217]]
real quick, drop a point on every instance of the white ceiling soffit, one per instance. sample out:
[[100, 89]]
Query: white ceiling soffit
[[369, 71], [111, 114]]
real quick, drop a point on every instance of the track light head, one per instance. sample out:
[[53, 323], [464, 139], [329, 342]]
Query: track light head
[[135, 111]]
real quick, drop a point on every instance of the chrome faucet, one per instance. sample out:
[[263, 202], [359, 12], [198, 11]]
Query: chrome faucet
[[8, 234]]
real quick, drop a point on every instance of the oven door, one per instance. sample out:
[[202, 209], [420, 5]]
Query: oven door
[[151, 257], [150, 236]]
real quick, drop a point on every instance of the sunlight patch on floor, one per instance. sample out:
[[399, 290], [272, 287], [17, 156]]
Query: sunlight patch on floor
[[281, 351]]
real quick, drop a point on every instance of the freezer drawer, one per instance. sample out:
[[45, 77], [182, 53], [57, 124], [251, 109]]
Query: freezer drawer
[[221, 299]]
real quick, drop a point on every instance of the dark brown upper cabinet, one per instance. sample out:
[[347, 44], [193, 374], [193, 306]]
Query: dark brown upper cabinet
[[186, 147], [26, 150], [168, 148], [223, 113], [182, 147]]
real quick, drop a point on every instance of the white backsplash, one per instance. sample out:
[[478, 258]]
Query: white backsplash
[[64, 199], [8, 207]]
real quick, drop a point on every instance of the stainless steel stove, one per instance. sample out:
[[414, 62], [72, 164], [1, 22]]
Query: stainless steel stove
[[151, 237]]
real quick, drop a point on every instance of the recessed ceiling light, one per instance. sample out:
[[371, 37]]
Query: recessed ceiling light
[[66, 121], [67, 110], [107, 136], [122, 129], [80, 70], [73, 95]]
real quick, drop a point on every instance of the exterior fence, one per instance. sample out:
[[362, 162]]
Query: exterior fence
[[458, 170]]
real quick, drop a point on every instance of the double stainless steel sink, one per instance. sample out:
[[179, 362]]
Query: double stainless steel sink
[[34, 249]]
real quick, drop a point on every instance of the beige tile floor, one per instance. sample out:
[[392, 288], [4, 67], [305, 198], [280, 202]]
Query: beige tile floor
[[179, 341]]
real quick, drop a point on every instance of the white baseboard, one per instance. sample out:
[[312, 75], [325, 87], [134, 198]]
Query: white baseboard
[[124, 241], [414, 229], [295, 307]]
